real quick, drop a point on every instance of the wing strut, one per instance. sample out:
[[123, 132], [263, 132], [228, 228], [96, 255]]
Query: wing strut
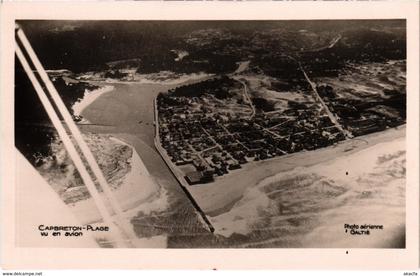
[[123, 228]]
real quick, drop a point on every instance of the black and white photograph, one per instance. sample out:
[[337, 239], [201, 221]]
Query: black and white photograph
[[215, 134]]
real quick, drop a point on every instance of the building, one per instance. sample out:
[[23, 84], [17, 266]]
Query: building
[[193, 177], [197, 177]]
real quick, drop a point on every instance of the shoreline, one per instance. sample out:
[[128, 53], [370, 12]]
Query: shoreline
[[140, 79], [226, 208], [323, 196], [88, 98], [134, 127], [135, 182], [183, 183], [219, 197]]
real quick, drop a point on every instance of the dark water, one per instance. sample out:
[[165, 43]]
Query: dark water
[[34, 131]]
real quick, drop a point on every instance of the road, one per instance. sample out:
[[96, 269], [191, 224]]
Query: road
[[333, 119], [248, 98], [329, 46], [242, 67]]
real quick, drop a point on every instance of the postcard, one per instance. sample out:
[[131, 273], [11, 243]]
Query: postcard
[[210, 135]]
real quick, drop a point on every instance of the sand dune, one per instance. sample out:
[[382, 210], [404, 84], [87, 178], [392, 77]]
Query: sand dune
[[308, 206], [137, 190]]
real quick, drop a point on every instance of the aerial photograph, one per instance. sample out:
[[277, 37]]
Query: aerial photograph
[[224, 134]]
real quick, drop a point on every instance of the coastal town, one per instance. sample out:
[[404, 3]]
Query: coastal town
[[212, 128], [239, 134]]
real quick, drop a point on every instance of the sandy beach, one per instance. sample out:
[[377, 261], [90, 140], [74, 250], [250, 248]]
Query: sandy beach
[[141, 191], [218, 197], [311, 205], [126, 113], [88, 98], [129, 117], [137, 189]]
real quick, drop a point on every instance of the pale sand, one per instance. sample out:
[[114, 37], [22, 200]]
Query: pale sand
[[138, 189], [129, 114], [88, 98], [369, 192], [135, 101], [108, 239], [218, 197], [126, 113], [161, 78]]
